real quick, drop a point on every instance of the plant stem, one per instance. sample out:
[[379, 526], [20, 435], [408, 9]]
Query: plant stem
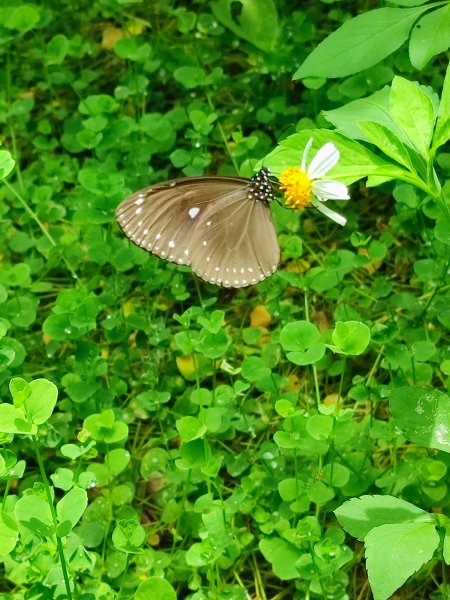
[[35, 218], [54, 517]]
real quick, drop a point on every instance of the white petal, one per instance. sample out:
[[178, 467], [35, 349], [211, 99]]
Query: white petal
[[324, 160], [330, 190], [339, 219], [305, 154]]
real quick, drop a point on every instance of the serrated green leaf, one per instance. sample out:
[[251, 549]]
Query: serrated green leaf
[[358, 516], [412, 110], [395, 552], [387, 142], [356, 161], [442, 132]]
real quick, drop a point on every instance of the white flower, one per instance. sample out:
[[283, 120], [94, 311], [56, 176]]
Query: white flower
[[303, 186]]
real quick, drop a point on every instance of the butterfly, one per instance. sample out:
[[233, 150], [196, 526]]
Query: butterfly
[[220, 226]]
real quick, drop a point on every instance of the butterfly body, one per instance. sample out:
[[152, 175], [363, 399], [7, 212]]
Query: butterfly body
[[220, 226]]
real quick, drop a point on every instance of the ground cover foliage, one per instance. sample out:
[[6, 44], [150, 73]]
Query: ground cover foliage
[[165, 438]]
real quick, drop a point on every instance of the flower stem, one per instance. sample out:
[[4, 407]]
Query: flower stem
[[54, 517]]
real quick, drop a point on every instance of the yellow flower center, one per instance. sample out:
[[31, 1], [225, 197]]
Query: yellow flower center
[[296, 187]]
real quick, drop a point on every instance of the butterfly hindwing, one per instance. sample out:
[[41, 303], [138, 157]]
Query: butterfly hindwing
[[236, 245]]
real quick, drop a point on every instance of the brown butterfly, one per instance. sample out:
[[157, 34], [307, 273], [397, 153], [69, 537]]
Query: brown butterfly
[[220, 226]]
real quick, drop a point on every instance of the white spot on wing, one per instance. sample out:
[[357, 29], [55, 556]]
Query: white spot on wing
[[171, 244], [193, 212], [139, 201], [139, 210]]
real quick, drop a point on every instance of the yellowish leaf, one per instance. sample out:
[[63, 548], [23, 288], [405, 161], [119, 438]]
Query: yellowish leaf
[[260, 317], [110, 36]]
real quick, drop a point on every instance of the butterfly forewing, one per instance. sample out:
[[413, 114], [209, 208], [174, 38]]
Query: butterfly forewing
[[221, 226]]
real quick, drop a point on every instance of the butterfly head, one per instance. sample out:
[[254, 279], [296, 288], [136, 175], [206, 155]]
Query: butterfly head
[[260, 187]]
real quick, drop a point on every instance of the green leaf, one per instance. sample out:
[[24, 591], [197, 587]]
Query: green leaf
[[446, 545], [190, 77], [430, 36], [128, 535], [257, 21], [442, 227], [374, 108], [155, 587], [20, 390], [117, 460], [213, 345], [132, 48], [299, 336], [395, 552], [103, 427], [442, 132], [62, 478], [412, 110], [356, 161], [7, 163], [359, 516], [423, 414], [201, 396], [72, 506], [14, 420], [23, 18], [34, 513], [254, 369], [350, 337], [154, 460], [9, 534], [42, 400], [319, 427], [101, 183], [360, 43], [156, 127], [56, 50], [387, 142], [190, 428], [98, 104], [282, 556]]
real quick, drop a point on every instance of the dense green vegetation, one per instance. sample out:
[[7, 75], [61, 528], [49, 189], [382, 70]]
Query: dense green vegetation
[[167, 438]]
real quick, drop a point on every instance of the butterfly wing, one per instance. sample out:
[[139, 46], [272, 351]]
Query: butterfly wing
[[206, 222], [237, 244]]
